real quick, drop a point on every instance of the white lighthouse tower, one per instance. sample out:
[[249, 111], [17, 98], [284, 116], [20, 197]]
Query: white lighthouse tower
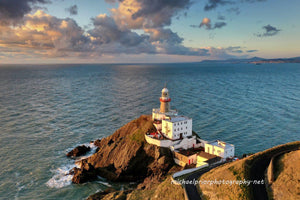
[[168, 122], [164, 101], [164, 112]]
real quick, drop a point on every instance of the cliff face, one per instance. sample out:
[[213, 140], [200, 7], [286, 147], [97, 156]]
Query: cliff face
[[126, 156]]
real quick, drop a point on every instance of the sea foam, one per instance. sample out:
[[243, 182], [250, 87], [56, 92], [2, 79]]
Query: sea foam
[[61, 177]]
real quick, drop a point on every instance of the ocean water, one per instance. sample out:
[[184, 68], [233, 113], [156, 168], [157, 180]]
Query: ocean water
[[47, 110]]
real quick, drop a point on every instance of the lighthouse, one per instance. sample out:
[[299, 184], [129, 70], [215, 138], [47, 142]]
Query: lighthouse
[[168, 122], [164, 112], [165, 101]]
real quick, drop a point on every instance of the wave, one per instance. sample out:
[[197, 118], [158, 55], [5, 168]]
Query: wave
[[61, 177]]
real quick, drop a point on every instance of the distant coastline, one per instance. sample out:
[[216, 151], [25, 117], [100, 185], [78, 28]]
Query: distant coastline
[[256, 60]]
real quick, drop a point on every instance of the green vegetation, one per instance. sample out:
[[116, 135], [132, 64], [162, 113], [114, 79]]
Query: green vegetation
[[139, 134]]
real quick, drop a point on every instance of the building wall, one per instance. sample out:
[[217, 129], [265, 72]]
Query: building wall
[[179, 162], [192, 159], [229, 152], [201, 164], [157, 115], [201, 159], [186, 143], [174, 130], [164, 107], [219, 151], [181, 157], [160, 143]]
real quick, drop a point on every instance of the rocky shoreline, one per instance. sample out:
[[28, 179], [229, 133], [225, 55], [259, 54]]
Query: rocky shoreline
[[125, 156]]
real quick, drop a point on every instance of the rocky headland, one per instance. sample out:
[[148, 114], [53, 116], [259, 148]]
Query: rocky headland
[[126, 156]]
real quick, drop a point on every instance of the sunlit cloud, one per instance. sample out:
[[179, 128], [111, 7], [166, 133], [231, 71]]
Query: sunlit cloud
[[206, 22], [72, 10], [132, 27]]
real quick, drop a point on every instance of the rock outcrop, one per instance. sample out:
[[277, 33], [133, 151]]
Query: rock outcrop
[[79, 151], [110, 194], [126, 156]]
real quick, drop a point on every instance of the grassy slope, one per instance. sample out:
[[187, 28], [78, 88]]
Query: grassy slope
[[238, 170], [163, 191], [287, 176]]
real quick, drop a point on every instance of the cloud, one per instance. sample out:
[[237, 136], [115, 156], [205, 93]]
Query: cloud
[[269, 31], [235, 10], [213, 4], [253, 1], [162, 35], [235, 49], [44, 35], [206, 22], [168, 42], [219, 25], [219, 53], [107, 37], [221, 17], [11, 11], [48, 35], [135, 27], [251, 51], [73, 10], [139, 14]]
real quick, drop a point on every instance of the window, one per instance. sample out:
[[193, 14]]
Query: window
[[185, 127]]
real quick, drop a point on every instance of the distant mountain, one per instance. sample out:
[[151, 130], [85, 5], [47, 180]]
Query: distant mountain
[[277, 60], [256, 60]]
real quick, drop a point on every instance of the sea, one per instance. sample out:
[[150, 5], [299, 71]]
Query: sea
[[47, 110]]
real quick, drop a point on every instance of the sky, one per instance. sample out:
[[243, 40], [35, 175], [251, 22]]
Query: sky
[[146, 31]]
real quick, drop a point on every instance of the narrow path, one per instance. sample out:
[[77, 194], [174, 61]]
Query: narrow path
[[191, 189], [257, 172]]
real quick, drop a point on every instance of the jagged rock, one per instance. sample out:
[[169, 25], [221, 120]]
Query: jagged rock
[[78, 151], [110, 193], [100, 195], [126, 156], [97, 142], [84, 174]]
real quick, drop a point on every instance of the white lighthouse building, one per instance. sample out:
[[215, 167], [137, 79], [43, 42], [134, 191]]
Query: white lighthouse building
[[175, 132], [168, 122]]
